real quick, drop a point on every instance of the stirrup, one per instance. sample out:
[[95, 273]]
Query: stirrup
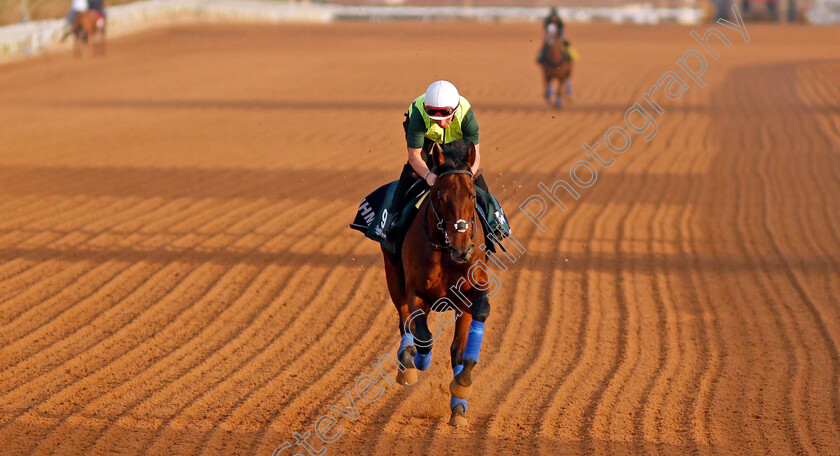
[[501, 234]]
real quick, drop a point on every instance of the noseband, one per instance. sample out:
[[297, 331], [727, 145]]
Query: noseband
[[461, 225]]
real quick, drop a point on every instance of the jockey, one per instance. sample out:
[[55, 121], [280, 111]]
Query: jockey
[[76, 7], [553, 27], [440, 115], [554, 18]]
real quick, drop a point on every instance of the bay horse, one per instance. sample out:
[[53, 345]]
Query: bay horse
[[440, 269], [556, 66], [89, 28]]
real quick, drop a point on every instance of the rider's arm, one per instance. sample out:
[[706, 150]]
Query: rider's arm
[[414, 138], [469, 126], [475, 166], [416, 161]]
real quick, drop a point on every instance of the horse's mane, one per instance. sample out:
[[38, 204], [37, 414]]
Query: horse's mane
[[454, 153]]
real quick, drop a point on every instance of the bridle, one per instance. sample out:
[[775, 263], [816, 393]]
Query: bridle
[[461, 225]]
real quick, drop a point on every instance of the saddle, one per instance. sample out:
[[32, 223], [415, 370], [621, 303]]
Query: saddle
[[373, 218]]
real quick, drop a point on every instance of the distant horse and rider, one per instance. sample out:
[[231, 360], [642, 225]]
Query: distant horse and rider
[[86, 22], [555, 59]]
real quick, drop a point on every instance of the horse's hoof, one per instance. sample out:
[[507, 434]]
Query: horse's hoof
[[460, 391], [409, 377], [458, 419]]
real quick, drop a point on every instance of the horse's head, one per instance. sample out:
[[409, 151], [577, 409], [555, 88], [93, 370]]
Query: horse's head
[[452, 198]]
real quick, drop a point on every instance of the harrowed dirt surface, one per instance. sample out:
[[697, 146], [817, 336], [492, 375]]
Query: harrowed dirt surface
[[177, 276]]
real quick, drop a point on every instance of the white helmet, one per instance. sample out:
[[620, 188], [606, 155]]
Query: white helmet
[[441, 100]]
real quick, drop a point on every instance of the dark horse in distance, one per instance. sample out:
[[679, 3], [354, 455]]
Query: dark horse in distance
[[436, 272], [556, 65]]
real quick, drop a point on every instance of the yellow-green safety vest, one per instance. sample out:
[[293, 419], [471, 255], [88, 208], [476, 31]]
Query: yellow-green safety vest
[[433, 131]]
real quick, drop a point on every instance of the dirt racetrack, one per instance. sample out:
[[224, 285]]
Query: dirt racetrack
[[177, 276]]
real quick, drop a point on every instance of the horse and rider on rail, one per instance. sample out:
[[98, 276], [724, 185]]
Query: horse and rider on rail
[[86, 22], [435, 225]]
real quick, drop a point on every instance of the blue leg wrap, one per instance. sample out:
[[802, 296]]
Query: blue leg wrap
[[422, 361], [474, 340], [454, 400], [407, 340]]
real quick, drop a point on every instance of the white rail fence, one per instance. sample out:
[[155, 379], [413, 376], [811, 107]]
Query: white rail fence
[[33, 37], [635, 13], [824, 12]]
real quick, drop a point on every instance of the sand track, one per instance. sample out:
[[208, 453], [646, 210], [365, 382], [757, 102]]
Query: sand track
[[177, 275]]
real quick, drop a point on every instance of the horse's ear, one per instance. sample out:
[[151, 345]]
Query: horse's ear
[[469, 157], [437, 155]]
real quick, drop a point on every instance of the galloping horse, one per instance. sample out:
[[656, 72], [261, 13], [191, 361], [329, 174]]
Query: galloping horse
[[556, 66], [89, 27], [436, 273]]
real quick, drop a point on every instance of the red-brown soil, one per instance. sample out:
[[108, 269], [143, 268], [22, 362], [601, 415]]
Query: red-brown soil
[[177, 275]]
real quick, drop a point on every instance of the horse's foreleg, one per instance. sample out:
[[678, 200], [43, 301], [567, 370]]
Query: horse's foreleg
[[415, 350], [405, 355], [394, 276], [100, 43], [407, 350], [548, 88], [459, 344], [102, 36], [461, 385], [422, 336]]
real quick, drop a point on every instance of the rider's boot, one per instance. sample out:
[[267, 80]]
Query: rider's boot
[[499, 233], [407, 178]]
